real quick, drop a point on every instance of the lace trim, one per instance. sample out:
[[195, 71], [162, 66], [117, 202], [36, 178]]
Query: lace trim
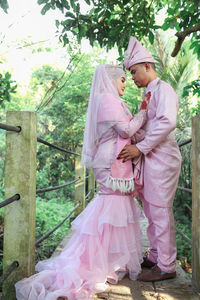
[[122, 184]]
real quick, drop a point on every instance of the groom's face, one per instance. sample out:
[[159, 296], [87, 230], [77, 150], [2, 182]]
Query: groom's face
[[139, 74]]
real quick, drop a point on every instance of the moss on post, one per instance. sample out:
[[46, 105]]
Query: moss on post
[[79, 185], [91, 183], [20, 178], [196, 202]]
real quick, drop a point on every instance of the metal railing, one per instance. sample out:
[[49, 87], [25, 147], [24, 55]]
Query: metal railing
[[56, 147], [10, 128], [56, 187], [16, 197], [10, 200]]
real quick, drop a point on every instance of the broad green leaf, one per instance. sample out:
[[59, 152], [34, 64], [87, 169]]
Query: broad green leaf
[[194, 44], [59, 6], [65, 4], [170, 11], [177, 26], [45, 8], [68, 23], [151, 37], [41, 1], [69, 14], [7, 76], [57, 23], [4, 5], [78, 8], [165, 26], [73, 5]]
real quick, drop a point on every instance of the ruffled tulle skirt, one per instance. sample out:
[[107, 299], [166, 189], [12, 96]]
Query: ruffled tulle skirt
[[105, 246]]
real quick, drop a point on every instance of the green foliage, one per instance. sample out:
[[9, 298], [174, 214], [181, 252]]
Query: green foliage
[[179, 72], [106, 21], [7, 86], [193, 89], [184, 249], [196, 109], [181, 16], [183, 201], [132, 95], [48, 215]]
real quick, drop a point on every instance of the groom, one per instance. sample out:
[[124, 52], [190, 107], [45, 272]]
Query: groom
[[162, 162]]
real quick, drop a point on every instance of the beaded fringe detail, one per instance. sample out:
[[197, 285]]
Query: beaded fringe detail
[[124, 185]]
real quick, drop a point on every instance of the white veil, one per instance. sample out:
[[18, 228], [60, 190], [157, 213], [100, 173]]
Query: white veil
[[104, 82]]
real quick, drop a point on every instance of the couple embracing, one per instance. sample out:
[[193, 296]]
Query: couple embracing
[[131, 156]]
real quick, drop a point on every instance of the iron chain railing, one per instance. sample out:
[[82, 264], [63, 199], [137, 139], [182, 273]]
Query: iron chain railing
[[184, 189], [56, 187], [187, 239], [185, 142], [10, 128], [16, 197], [56, 147]]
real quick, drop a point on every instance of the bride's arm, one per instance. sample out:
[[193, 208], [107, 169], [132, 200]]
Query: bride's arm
[[128, 129]]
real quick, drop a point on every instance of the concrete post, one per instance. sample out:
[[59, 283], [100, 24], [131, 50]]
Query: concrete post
[[20, 178], [91, 183], [196, 202], [79, 185]]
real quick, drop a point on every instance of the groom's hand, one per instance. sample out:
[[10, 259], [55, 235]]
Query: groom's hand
[[129, 152]]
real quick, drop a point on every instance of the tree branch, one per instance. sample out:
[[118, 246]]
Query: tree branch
[[181, 36]]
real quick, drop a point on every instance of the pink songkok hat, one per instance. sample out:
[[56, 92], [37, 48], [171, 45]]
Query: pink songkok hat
[[136, 54]]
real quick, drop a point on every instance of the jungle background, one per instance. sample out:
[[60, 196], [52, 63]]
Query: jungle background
[[59, 91]]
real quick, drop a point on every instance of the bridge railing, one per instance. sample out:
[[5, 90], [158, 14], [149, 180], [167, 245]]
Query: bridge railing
[[20, 194], [19, 215], [195, 210]]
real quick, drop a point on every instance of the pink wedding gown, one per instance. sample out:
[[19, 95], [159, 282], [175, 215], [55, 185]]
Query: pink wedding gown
[[105, 246]]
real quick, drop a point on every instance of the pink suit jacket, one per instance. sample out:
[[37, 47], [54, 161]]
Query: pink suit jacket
[[162, 158]]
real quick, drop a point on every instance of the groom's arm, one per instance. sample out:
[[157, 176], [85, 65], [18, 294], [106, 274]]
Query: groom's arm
[[165, 122]]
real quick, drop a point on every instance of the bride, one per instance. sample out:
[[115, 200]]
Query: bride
[[106, 244]]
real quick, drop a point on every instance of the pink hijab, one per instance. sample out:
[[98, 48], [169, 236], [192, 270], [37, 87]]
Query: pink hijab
[[104, 83]]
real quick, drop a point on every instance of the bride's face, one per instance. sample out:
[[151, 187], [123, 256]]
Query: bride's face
[[121, 84]]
